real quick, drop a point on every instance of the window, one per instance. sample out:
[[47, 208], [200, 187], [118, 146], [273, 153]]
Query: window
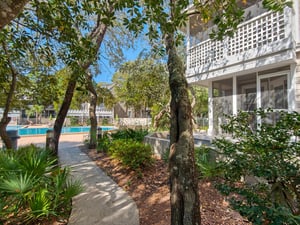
[[222, 102], [246, 92], [274, 92], [274, 95]]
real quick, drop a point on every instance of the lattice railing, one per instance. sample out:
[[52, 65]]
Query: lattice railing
[[99, 111], [257, 32]]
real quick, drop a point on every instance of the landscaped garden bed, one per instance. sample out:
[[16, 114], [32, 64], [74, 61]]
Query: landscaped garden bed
[[33, 188], [150, 191]]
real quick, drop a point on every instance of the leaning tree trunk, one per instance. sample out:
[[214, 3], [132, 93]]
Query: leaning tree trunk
[[97, 36], [185, 206], [5, 119], [92, 112], [61, 116]]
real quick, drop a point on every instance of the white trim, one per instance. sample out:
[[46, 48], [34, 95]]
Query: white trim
[[188, 34], [234, 95], [258, 96], [210, 110], [275, 74], [188, 58], [292, 88], [296, 20]]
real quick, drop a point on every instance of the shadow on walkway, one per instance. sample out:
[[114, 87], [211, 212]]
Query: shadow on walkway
[[102, 202]]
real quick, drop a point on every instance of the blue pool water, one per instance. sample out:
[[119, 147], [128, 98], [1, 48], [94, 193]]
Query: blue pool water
[[43, 130]]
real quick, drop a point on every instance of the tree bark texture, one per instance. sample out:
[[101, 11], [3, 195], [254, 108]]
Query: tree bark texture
[[185, 206], [92, 112], [5, 119], [5, 138], [10, 9]]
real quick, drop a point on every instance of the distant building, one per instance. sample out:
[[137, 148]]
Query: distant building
[[15, 116]]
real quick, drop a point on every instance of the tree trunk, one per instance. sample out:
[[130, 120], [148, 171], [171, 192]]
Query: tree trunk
[[92, 112], [10, 9], [5, 119], [5, 138], [185, 206], [63, 111]]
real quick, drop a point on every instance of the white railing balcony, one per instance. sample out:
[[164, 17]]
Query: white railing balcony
[[259, 37], [101, 112]]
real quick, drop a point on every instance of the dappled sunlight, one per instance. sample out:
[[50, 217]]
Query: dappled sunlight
[[102, 201], [149, 188]]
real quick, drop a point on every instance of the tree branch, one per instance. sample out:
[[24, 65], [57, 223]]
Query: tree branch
[[10, 9]]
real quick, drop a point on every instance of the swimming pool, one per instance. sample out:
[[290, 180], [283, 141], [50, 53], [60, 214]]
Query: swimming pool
[[43, 130]]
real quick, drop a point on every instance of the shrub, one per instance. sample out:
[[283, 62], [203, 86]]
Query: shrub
[[269, 156], [137, 135], [104, 121], [206, 164], [131, 153], [124, 134], [104, 142], [74, 121], [31, 182]]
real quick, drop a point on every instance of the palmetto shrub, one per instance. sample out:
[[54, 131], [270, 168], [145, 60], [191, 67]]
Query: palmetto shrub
[[137, 135], [31, 182], [124, 134]]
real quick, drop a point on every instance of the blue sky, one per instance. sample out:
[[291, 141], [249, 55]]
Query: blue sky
[[108, 71], [141, 43]]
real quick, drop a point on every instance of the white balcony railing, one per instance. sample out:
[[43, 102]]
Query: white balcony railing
[[102, 112], [267, 29]]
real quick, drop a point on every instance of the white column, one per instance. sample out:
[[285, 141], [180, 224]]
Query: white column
[[258, 94], [188, 34], [210, 131], [188, 45], [291, 86], [296, 20], [234, 96]]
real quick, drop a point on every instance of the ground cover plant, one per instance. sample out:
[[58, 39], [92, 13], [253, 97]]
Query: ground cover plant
[[33, 188], [261, 166]]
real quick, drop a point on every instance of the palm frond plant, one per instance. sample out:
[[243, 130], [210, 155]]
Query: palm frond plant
[[32, 182]]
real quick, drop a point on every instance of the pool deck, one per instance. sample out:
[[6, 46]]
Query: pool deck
[[102, 202]]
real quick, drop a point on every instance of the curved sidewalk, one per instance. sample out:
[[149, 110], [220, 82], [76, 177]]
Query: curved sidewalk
[[102, 202]]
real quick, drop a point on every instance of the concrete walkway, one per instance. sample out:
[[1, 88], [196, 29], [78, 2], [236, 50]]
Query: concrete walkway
[[102, 202]]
